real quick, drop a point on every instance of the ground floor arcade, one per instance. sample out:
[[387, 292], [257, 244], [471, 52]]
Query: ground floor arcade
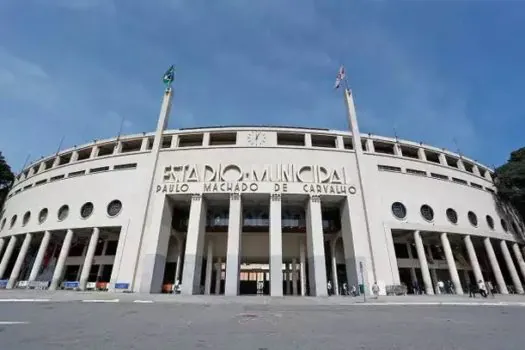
[[427, 258]]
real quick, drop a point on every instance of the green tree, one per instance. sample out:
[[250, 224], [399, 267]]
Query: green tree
[[510, 180], [6, 179]]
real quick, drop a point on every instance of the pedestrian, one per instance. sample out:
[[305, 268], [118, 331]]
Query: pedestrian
[[329, 287], [441, 287], [490, 289], [353, 291], [481, 289], [472, 289], [345, 288], [375, 290]]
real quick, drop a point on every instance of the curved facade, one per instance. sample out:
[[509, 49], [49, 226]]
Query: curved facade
[[224, 210]]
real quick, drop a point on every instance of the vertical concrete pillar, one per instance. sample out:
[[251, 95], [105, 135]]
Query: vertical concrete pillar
[[473, 259], [510, 266], [288, 278], [88, 260], [302, 258], [519, 258], [294, 276], [61, 262], [433, 271], [413, 275], [2, 243], [191, 275], [451, 263], [423, 263], [7, 255], [335, 279], [233, 254], [209, 267], [276, 246], [315, 247], [39, 256], [178, 267], [495, 266], [19, 261], [218, 277]]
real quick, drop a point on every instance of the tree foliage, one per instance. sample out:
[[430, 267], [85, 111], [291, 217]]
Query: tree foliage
[[6, 178], [510, 180]]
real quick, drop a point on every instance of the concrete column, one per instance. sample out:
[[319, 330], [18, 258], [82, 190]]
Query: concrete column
[[421, 154], [302, 258], [434, 277], [19, 261], [39, 256], [209, 268], [233, 254], [294, 276], [473, 259], [519, 258], [178, 267], [2, 243], [276, 246], [413, 275], [451, 264], [7, 255], [59, 268], [191, 275], [495, 266], [442, 159], [335, 280], [423, 263], [315, 247], [218, 277], [288, 279], [510, 266], [88, 260]]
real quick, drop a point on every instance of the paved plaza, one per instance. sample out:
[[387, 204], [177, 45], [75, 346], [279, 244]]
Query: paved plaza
[[69, 320]]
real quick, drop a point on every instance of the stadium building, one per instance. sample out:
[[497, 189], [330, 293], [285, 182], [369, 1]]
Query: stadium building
[[268, 210]]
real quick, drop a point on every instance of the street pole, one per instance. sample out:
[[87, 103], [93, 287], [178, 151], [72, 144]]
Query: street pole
[[363, 279]]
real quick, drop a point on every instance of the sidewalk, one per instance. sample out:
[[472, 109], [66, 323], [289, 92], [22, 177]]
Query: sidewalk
[[72, 296]]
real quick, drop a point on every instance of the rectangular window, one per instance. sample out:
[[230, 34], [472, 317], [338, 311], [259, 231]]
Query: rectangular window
[[49, 163], [55, 178], [409, 152], [401, 250], [223, 138], [416, 172], [111, 248], [125, 166], [468, 166], [64, 159], [459, 181], [475, 185], [453, 162], [490, 190], [28, 187], [131, 146], [364, 145], [325, 141], [76, 173], [191, 140], [347, 142], [76, 249], [99, 248], [384, 147], [439, 176], [432, 156], [98, 170], [287, 139], [41, 182], [389, 168], [166, 142], [84, 154], [106, 150]]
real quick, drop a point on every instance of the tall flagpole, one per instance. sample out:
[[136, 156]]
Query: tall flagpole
[[162, 123], [358, 148]]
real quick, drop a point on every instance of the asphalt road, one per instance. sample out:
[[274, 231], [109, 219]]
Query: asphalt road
[[75, 325]]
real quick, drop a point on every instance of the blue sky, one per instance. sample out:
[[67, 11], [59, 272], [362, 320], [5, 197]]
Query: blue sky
[[433, 70]]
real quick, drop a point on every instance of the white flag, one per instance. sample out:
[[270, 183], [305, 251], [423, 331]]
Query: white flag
[[340, 77]]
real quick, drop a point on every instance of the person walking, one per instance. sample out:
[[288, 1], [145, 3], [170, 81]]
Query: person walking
[[329, 286], [472, 289], [375, 290], [481, 289]]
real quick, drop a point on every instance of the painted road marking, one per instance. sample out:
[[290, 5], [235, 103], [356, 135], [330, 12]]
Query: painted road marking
[[437, 303], [12, 322], [101, 301], [143, 301], [24, 300]]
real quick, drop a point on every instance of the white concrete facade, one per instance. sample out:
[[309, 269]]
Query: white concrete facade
[[170, 183]]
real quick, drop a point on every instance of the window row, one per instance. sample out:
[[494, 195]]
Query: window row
[[86, 210], [222, 138], [424, 173], [400, 212], [74, 174]]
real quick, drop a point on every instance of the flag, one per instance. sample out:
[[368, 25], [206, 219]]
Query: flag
[[340, 77], [169, 76]]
